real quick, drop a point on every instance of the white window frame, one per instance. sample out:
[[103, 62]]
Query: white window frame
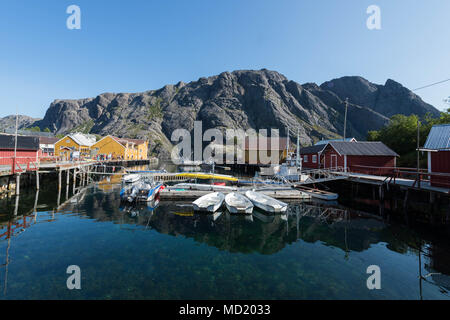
[[314, 158]]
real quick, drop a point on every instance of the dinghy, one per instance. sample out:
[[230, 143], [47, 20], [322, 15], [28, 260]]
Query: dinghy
[[266, 203], [131, 178], [209, 202], [237, 203]]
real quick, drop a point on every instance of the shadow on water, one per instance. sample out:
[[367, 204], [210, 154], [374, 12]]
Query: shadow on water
[[168, 251]]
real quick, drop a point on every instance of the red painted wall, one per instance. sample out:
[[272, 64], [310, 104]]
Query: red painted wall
[[383, 164], [310, 164], [23, 156], [440, 163]]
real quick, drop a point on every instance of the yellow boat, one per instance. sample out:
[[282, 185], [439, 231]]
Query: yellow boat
[[207, 176]]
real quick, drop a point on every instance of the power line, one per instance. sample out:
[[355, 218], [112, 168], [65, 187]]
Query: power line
[[430, 85]]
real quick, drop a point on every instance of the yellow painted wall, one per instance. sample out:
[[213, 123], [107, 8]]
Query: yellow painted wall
[[108, 145], [70, 143]]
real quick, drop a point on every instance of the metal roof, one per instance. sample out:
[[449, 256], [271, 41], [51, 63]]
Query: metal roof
[[7, 141], [83, 139], [313, 149], [320, 142], [362, 148], [438, 138]]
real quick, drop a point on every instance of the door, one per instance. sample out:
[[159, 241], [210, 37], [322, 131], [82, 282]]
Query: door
[[333, 162]]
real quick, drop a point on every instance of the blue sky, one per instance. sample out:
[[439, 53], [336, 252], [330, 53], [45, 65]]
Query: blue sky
[[132, 46]]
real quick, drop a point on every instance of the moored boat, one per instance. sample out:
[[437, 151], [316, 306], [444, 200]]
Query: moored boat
[[237, 203], [209, 202], [266, 203], [131, 178]]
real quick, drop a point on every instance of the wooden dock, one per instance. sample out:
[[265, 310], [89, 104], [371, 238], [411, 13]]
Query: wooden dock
[[174, 194]]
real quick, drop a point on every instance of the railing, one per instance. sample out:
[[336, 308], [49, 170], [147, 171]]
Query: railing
[[422, 176]]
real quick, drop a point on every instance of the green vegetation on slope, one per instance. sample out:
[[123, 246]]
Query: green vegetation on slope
[[401, 136]]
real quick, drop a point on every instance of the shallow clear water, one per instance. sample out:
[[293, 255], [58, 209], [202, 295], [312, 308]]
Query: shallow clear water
[[171, 253]]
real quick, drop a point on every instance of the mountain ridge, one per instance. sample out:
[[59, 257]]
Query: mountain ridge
[[258, 99]]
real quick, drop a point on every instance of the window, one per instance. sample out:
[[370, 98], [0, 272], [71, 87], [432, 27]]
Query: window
[[314, 158], [305, 158], [68, 141]]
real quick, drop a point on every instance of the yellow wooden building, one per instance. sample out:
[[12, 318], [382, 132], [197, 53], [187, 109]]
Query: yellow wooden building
[[74, 145], [111, 147]]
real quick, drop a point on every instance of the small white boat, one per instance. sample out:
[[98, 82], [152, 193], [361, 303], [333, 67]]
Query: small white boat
[[209, 202], [143, 191], [237, 203], [203, 187], [266, 203], [131, 178]]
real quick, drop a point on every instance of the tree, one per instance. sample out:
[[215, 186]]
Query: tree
[[47, 130], [401, 135]]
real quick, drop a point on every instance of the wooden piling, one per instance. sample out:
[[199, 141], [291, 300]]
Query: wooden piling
[[37, 180], [17, 184]]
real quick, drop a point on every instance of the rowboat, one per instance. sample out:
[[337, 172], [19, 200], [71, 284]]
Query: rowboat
[[237, 203], [209, 202], [266, 203]]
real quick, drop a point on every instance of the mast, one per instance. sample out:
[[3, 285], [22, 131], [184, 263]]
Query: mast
[[298, 148], [287, 143]]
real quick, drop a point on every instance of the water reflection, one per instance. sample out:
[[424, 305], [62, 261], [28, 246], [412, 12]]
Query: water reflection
[[284, 239]]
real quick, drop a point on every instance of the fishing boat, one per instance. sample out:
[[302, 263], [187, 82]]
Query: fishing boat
[[131, 178], [209, 202], [141, 191], [202, 187], [266, 203], [237, 203]]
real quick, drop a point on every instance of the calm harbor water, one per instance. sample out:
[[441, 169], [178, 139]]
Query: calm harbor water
[[316, 251]]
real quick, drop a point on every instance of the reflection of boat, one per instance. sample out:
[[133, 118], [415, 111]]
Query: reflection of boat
[[131, 178], [263, 217], [202, 187], [237, 203], [209, 202], [265, 202]]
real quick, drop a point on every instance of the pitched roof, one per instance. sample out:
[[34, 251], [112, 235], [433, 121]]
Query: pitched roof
[[48, 140], [328, 141], [438, 138], [82, 139], [362, 148], [313, 149], [264, 143], [124, 141]]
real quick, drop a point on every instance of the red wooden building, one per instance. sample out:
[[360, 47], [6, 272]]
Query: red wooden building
[[438, 148], [27, 152], [312, 157], [361, 156]]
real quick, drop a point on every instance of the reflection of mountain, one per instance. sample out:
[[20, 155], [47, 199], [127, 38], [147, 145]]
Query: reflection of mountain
[[265, 234]]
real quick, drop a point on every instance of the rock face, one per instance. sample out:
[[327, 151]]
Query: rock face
[[8, 123], [241, 99]]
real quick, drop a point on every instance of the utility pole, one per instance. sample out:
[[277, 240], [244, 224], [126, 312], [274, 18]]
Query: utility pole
[[345, 118], [15, 143], [418, 152]]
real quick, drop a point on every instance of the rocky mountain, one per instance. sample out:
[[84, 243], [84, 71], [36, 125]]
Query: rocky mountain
[[8, 123], [244, 99]]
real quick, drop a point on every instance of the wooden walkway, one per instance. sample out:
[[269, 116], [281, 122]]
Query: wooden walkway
[[174, 194]]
